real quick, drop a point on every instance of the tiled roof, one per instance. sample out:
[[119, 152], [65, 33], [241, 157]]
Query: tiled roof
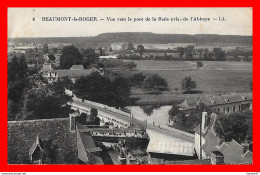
[[46, 67], [232, 151], [73, 73], [22, 134], [191, 103], [38, 143], [169, 145], [77, 67], [86, 146]]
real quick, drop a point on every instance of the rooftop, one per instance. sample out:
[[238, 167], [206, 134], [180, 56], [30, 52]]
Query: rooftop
[[232, 151], [77, 67], [168, 145], [22, 134], [73, 73], [209, 100], [87, 148]]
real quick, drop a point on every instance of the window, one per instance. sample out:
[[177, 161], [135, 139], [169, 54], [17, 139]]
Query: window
[[224, 110], [234, 108], [227, 109]]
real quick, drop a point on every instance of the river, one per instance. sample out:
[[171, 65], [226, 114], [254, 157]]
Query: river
[[152, 113]]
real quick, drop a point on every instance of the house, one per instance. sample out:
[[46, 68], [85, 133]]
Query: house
[[38, 153], [162, 148], [74, 72], [32, 66], [88, 152], [108, 57], [23, 49], [28, 139], [46, 67], [210, 144], [77, 67], [53, 58], [220, 103]]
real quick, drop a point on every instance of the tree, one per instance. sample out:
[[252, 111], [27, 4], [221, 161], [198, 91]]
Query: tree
[[55, 50], [70, 56], [82, 119], [137, 79], [148, 109], [124, 46], [199, 64], [140, 49], [101, 89], [180, 50], [187, 84], [131, 65], [17, 78], [173, 111], [206, 54], [121, 92], [246, 58], [89, 57], [154, 81], [93, 119], [236, 126], [101, 52], [130, 46], [45, 48], [42, 103], [36, 49], [219, 54], [188, 52], [60, 85], [93, 112], [94, 88]]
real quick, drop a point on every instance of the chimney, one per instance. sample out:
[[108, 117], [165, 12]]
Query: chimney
[[72, 122], [203, 123], [245, 146], [217, 158]]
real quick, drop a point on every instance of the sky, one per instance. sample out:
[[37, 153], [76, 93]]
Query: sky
[[21, 24]]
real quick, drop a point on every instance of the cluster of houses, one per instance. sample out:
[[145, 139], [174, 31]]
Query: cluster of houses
[[225, 104], [23, 47], [173, 46], [208, 147], [52, 75], [210, 144]]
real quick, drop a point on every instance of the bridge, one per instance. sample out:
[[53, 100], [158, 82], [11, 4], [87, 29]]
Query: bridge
[[123, 119], [162, 139]]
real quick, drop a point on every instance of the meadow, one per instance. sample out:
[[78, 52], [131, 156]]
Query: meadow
[[217, 77]]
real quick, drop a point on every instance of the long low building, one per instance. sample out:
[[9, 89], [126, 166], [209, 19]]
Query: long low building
[[221, 103], [163, 148]]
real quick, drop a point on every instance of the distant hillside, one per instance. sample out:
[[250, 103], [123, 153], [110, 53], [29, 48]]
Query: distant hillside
[[106, 39]]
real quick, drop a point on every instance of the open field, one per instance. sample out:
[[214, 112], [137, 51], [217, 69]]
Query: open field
[[209, 65], [154, 65], [217, 77], [209, 81]]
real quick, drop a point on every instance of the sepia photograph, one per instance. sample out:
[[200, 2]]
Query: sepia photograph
[[130, 86]]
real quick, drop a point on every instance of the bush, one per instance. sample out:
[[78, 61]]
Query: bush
[[199, 64], [154, 82]]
